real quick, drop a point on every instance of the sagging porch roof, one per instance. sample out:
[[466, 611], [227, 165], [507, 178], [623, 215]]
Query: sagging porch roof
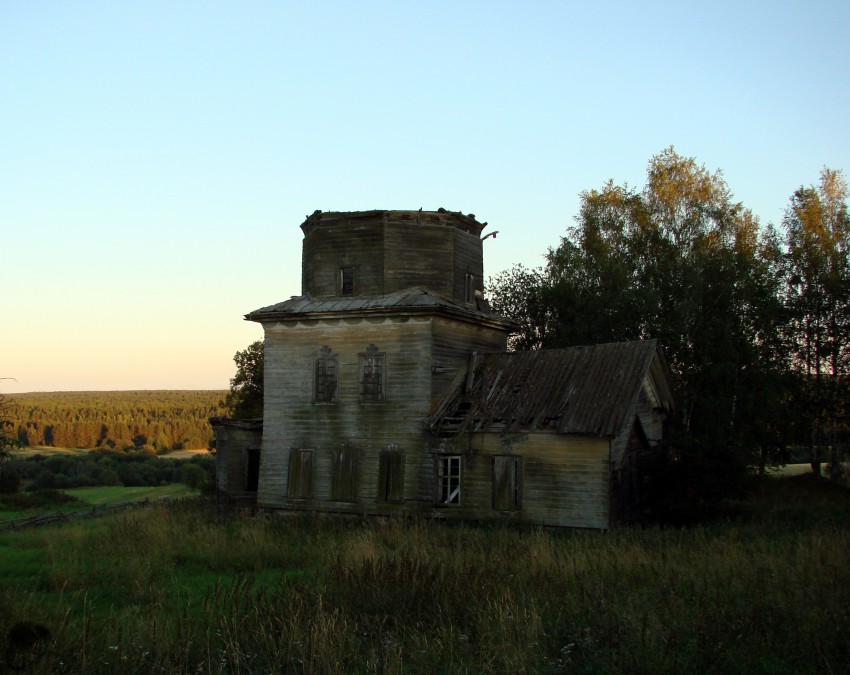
[[577, 390]]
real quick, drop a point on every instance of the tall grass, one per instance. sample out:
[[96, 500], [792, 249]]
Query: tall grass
[[168, 590]]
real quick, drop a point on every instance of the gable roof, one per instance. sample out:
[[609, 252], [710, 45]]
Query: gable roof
[[411, 300], [577, 390]]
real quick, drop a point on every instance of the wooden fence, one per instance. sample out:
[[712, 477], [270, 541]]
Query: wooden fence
[[94, 511]]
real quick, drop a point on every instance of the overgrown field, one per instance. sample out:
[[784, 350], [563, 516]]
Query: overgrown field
[[179, 590]]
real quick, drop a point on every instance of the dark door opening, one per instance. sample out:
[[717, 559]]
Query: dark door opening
[[252, 469]]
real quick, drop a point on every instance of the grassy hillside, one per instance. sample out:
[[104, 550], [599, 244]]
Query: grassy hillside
[[168, 589]]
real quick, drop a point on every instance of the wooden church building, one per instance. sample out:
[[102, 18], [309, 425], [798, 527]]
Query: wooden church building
[[389, 390]]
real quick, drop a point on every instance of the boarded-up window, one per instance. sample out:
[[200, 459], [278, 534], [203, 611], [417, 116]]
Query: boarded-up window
[[326, 376], [300, 474], [391, 476], [507, 483], [448, 479], [344, 475], [346, 281], [372, 375]]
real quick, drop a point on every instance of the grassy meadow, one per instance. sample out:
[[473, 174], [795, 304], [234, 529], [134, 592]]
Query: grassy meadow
[[176, 589]]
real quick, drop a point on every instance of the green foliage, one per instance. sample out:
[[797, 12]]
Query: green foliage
[[680, 261], [147, 421], [40, 499], [817, 287], [108, 468], [172, 589], [245, 399], [194, 476]]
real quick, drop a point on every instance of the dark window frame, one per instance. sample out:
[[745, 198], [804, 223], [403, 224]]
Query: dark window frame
[[347, 278], [373, 375], [326, 377], [345, 474], [391, 475], [449, 480], [469, 288]]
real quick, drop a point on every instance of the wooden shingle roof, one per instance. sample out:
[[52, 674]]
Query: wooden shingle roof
[[577, 390]]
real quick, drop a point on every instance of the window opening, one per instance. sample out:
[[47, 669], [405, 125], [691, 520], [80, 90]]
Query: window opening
[[344, 475], [300, 474], [391, 475], [372, 375], [448, 479], [469, 288], [346, 280], [326, 376]]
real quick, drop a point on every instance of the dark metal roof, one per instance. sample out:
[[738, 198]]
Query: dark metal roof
[[409, 299], [578, 390]]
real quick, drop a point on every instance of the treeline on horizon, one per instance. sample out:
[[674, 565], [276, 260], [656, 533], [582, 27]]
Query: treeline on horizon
[[753, 319], [146, 421]]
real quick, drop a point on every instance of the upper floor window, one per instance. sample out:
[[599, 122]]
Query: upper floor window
[[326, 376], [469, 288], [372, 372], [346, 281]]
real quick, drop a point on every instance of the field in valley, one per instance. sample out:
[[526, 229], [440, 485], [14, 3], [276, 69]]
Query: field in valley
[[177, 589]]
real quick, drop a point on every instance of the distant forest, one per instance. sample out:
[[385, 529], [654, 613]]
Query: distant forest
[[153, 421]]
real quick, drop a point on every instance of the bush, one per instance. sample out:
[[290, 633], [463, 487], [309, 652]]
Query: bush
[[10, 481], [36, 500]]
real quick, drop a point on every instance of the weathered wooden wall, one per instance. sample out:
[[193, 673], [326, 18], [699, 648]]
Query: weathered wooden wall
[[391, 251], [564, 480], [232, 440], [293, 420], [453, 345], [327, 249]]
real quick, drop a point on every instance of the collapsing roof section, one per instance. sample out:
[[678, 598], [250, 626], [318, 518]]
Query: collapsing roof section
[[578, 390], [466, 223]]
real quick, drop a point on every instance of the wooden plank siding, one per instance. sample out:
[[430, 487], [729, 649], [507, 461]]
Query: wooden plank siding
[[453, 344], [233, 439], [564, 480], [292, 420], [531, 437], [327, 249]]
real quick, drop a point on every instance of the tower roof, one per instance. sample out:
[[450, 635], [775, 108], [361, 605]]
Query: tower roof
[[466, 223]]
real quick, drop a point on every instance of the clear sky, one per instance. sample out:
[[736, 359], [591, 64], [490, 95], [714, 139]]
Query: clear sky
[[158, 157]]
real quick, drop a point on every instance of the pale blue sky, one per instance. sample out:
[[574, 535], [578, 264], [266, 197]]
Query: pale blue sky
[[157, 158]]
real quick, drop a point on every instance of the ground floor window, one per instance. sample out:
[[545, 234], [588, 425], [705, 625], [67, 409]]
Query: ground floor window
[[300, 474], [507, 483], [448, 479], [344, 475], [391, 476]]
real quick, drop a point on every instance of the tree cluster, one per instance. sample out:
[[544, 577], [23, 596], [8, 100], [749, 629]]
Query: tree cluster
[[754, 321], [104, 468], [245, 399], [151, 421]]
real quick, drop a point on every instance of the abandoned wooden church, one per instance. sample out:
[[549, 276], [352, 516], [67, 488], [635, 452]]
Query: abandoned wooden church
[[389, 390]]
